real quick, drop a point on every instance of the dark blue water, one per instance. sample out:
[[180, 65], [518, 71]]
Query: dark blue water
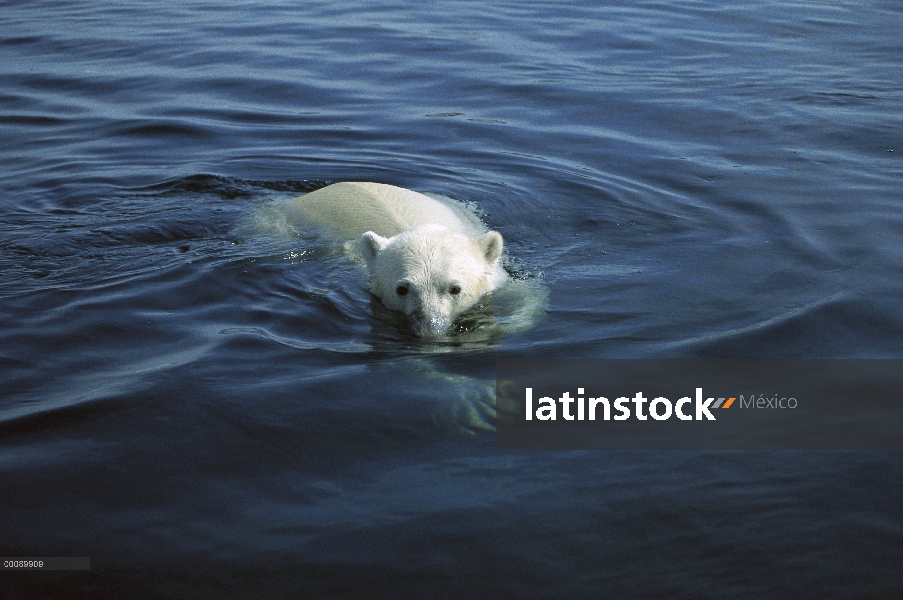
[[209, 412]]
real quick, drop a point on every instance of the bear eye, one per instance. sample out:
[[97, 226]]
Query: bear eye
[[454, 290], [401, 290]]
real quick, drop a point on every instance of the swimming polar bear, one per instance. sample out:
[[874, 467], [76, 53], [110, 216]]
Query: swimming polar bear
[[428, 259]]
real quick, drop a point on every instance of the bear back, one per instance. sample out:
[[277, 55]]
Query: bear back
[[352, 208]]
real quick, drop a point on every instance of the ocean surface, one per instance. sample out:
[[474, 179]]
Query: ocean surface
[[207, 411]]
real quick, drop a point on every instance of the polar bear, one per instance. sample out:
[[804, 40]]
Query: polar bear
[[428, 259]]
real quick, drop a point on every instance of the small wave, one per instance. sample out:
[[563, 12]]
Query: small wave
[[84, 395], [35, 120], [160, 233], [835, 98], [837, 325], [342, 347], [158, 129], [229, 187]]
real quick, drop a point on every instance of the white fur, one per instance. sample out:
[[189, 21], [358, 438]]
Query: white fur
[[440, 256]]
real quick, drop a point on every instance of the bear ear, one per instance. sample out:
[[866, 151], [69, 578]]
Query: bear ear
[[372, 244], [491, 244]]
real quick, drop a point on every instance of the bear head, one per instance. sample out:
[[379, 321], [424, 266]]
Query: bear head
[[432, 274]]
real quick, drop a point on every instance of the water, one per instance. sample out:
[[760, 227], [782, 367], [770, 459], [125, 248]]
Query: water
[[206, 413]]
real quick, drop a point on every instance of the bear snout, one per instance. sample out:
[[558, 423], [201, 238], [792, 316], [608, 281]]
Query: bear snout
[[429, 324]]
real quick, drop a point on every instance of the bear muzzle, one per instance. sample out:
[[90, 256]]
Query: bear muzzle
[[429, 324]]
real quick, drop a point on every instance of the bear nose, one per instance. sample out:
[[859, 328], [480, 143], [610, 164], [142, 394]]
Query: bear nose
[[429, 324]]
